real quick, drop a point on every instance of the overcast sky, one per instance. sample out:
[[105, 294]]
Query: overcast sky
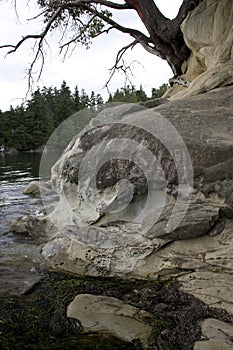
[[89, 69]]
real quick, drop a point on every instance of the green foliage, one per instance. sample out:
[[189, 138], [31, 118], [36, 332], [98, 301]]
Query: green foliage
[[81, 23], [156, 93], [28, 127], [130, 94]]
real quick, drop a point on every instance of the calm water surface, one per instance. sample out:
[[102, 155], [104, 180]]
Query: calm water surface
[[16, 171]]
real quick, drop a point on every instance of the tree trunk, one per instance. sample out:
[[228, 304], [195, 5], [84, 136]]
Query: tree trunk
[[165, 34]]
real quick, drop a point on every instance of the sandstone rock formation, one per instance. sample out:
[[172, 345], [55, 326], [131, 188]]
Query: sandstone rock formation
[[208, 32], [90, 240], [149, 193]]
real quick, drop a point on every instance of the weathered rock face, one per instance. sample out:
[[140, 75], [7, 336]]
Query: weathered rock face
[[208, 32], [90, 240], [90, 196], [206, 124], [99, 314]]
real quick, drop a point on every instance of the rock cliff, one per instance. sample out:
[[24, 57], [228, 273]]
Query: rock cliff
[[208, 32]]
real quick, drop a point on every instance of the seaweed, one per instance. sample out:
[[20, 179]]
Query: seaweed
[[38, 319]]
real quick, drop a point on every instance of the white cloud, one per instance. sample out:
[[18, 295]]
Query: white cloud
[[87, 69]]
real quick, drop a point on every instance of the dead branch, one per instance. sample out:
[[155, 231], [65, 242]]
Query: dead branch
[[106, 3], [118, 59], [73, 40]]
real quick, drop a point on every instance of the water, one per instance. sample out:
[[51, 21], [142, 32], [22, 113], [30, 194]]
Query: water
[[20, 267], [16, 171]]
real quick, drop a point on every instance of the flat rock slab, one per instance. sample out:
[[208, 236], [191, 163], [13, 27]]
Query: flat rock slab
[[212, 328], [213, 288], [213, 344], [110, 315], [218, 333], [17, 282]]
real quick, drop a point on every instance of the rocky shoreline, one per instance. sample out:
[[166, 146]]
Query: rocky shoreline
[[137, 246], [195, 259]]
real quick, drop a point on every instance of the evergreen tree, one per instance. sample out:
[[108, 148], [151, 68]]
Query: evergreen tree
[[77, 100], [155, 93], [84, 99], [92, 100], [28, 127], [99, 101], [141, 95], [128, 94], [64, 104]]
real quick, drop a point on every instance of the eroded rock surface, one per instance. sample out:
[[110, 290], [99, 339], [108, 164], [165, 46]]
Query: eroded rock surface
[[214, 288], [208, 32], [86, 238], [92, 241]]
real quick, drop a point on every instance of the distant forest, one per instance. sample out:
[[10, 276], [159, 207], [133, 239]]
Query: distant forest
[[28, 127]]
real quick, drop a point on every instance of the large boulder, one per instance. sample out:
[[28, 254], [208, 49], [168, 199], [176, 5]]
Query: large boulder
[[208, 32], [105, 223]]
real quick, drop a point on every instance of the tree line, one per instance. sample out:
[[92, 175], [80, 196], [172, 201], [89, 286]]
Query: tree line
[[28, 127]]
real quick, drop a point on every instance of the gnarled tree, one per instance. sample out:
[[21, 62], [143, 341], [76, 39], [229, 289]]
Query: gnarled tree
[[85, 19]]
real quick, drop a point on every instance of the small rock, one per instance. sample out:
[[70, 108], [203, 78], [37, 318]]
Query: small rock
[[37, 188], [32, 188], [29, 225], [17, 282]]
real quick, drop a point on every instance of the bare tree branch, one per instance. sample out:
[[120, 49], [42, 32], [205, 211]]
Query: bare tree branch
[[40, 36], [102, 32], [61, 7], [164, 38], [37, 16], [106, 3], [79, 34], [133, 32], [39, 50], [118, 59]]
